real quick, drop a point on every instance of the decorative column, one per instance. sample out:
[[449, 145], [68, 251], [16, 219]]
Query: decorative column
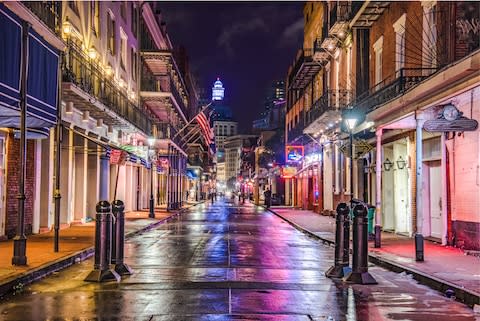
[[378, 189], [168, 178]]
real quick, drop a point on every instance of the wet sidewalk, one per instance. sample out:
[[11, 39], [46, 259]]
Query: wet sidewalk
[[444, 267], [76, 243]]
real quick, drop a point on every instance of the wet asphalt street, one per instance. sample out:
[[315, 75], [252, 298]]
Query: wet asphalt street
[[225, 262]]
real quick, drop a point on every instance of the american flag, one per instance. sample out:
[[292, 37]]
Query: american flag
[[203, 119]]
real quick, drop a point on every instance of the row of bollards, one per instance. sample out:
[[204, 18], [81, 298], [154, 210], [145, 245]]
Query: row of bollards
[[359, 272], [109, 243]]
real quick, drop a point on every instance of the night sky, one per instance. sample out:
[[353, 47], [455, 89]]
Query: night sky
[[246, 44]]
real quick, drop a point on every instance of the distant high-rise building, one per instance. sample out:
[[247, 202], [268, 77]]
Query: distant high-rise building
[[271, 117]]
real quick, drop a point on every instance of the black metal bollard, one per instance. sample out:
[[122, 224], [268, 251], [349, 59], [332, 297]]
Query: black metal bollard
[[342, 243], [118, 239], [359, 274], [103, 230]]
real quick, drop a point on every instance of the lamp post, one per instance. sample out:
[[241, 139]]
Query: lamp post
[[351, 121], [151, 212]]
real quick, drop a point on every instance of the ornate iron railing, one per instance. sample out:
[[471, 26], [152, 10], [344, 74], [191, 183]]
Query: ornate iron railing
[[50, 12], [392, 87], [330, 100], [79, 69]]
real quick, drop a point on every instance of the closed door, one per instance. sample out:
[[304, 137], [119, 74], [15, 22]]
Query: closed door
[[435, 186]]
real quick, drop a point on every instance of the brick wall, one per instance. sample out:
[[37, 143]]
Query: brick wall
[[12, 178]]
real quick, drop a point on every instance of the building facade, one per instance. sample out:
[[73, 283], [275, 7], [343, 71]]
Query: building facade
[[398, 67], [123, 104]]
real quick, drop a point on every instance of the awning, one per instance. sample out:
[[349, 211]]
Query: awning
[[42, 75]]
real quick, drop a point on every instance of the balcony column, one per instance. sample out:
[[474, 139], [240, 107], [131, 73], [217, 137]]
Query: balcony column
[[104, 176], [168, 178], [419, 189], [378, 189]]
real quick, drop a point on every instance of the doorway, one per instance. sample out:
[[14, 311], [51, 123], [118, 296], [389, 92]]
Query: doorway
[[435, 198]]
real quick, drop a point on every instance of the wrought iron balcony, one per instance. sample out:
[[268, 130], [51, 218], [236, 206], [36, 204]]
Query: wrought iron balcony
[[332, 100], [392, 87], [78, 69], [168, 131], [303, 70], [296, 132], [340, 14], [48, 11]]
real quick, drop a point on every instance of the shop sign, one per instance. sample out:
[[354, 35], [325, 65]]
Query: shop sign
[[288, 171], [360, 148], [118, 157], [293, 154], [163, 162], [312, 158]]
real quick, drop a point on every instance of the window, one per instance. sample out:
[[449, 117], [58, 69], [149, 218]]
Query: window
[[123, 49], [134, 20], [133, 55], [111, 34], [429, 41], [232, 130], [95, 16], [378, 49], [399, 27]]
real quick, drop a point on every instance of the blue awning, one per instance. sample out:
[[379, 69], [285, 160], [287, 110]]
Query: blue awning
[[42, 75]]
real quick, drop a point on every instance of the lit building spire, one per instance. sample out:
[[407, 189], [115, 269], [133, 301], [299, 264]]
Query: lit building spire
[[218, 91]]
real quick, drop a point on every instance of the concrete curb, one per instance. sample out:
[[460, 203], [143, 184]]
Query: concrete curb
[[461, 294], [17, 282]]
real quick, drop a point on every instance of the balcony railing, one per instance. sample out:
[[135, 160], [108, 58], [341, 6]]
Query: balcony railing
[[340, 12], [392, 87], [168, 131], [161, 83], [80, 70], [48, 11], [331, 100], [297, 130]]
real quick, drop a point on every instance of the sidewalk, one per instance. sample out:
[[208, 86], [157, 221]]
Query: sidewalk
[[444, 267], [76, 243]]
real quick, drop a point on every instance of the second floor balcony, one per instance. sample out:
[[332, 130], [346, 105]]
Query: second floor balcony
[[326, 111], [392, 87], [90, 89], [160, 94], [303, 70], [49, 12]]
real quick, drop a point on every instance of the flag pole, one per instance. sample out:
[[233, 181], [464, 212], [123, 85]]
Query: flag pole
[[188, 124]]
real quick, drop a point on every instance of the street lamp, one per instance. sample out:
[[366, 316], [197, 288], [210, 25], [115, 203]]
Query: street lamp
[[151, 142], [351, 121]]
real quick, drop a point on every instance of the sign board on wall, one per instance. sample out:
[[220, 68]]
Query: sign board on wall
[[118, 157], [288, 172], [293, 154]]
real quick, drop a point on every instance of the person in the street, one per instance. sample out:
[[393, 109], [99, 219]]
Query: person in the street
[[268, 197]]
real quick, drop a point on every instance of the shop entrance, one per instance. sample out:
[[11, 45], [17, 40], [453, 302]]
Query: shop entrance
[[435, 199]]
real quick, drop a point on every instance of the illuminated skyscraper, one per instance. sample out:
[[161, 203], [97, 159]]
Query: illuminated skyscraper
[[218, 91]]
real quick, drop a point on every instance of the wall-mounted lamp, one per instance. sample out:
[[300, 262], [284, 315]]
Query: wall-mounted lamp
[[387, 165], [69, 108], [401, 163], [92, 53], [110, 129], [108, 70], [99, 123], [67, 28]]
